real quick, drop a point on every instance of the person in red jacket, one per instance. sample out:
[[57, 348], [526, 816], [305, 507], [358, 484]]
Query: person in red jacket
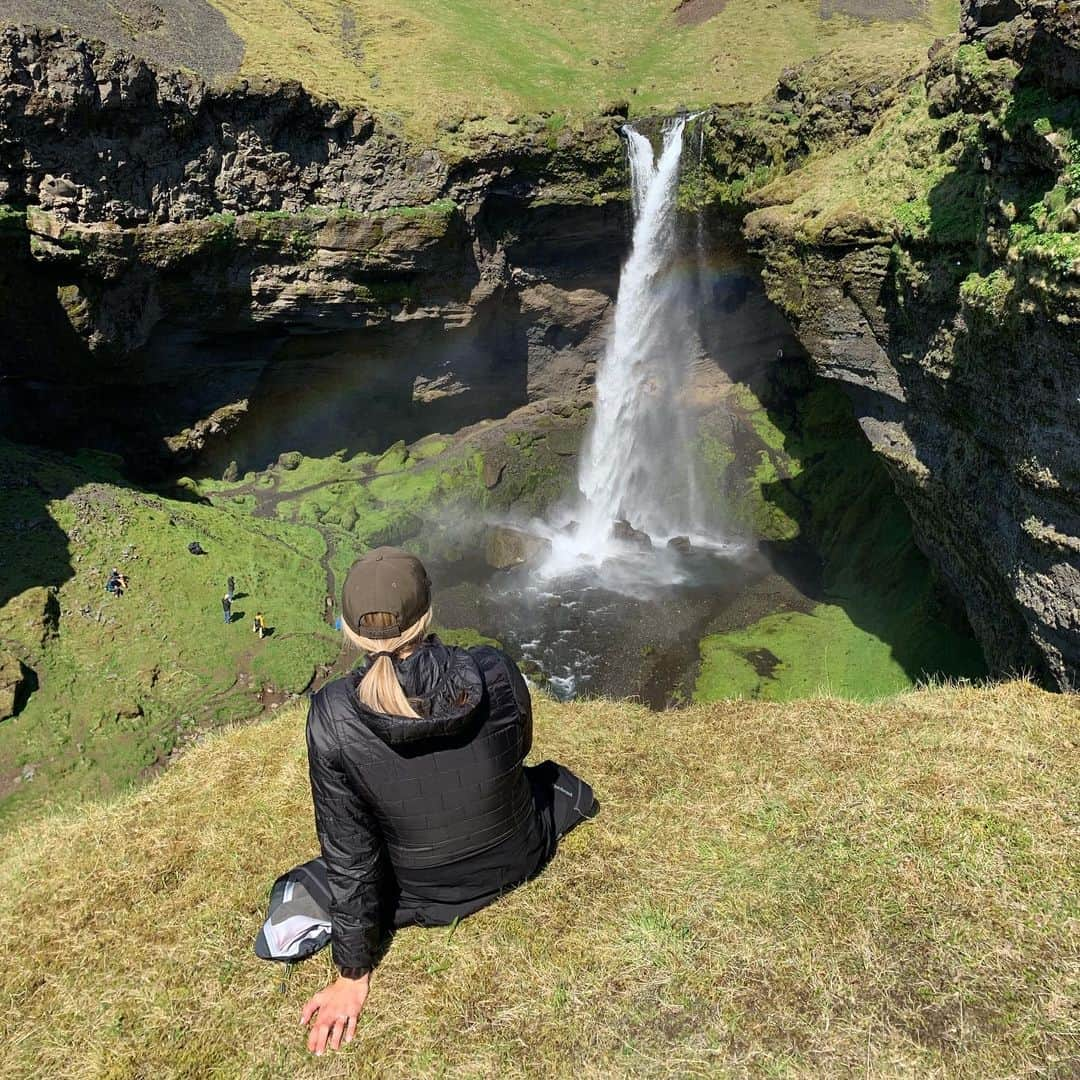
[[424, 808]]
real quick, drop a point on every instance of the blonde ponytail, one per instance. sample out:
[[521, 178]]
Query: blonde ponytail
[[379, 689]]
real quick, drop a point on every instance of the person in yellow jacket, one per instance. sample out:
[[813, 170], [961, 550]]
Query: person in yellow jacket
[[259, 625]]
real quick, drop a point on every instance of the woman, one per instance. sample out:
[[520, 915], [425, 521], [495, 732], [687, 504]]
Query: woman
[[424, 810]]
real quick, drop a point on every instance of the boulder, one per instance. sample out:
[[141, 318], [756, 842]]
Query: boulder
[[623, 530], [507, 546], [14, 683], [493, 472], [32, 618], [681, 544]]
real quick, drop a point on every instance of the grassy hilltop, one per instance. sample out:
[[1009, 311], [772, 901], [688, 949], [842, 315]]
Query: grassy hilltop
[[428, 61], [817, 888], [423, 61]]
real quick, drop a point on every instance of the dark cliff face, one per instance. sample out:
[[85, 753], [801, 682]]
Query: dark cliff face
[[177, 259], [951, 317]]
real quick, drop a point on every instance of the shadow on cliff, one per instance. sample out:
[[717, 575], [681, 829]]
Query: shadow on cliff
[[37, 550], [858, 532], [972, 384], [362, 391], [44, 359]]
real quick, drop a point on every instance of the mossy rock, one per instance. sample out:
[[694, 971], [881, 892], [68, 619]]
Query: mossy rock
[[15, 682], [32, 618], [393, 460]]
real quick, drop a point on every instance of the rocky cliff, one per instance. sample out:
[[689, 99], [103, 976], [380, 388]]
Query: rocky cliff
[[199, 275], [164, 241], [934, 269], [188, 266]]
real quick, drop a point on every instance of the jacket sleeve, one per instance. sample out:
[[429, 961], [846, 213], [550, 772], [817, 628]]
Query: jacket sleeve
[[523, 700], [352, 848]]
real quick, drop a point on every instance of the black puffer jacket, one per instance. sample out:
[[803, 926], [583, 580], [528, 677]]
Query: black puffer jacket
[[423, 820]]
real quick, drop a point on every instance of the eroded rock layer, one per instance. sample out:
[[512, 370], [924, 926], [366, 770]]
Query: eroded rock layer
[[182, 256]]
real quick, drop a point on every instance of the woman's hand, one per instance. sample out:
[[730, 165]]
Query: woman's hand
[[335, 1011]]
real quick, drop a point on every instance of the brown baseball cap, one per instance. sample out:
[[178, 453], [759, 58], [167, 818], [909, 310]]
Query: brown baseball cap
[[386, 579]]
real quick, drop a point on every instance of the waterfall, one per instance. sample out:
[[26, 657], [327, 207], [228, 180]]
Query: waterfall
[[637, 460]]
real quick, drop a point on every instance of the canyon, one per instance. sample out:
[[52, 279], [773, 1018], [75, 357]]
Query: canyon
[[250, 297]]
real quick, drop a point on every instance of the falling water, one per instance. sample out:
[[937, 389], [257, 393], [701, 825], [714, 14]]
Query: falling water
[[637, 463]]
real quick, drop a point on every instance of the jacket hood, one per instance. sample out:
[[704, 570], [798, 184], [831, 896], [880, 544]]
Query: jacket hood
[[444, 685]]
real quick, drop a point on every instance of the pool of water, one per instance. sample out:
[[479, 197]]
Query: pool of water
[[630, 627]]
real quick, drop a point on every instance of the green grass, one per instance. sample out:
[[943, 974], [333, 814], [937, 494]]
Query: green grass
[[800, 890], [127, 677], [898, 181], [820, 652], [881, 628], [422, 60]]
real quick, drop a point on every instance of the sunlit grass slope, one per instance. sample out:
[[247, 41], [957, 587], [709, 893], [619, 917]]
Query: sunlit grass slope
[[427, 60], [122, 680], [810, 889]]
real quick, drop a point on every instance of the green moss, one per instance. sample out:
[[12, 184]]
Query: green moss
[[793, 655], [767, 509], [990, 294], [465, 637], [393, 460], [387, 292], [12, 220], [130, 676], [766, 430], [428, 448], [715, 455], [439, 208], [1058, 251], [881, 627]]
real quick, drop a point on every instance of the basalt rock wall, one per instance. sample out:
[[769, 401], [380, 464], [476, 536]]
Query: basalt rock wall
[[177, 259], [936, 274], [193, 275]]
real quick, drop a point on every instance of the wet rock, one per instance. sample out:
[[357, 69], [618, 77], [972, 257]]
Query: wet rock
[[220, 422], [681, 544], [508, 547], [493, 472], [14, 683], [290, 460], [624, 531]]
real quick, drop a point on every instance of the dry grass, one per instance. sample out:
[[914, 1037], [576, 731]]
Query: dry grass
[[811, 889], [423, 60]]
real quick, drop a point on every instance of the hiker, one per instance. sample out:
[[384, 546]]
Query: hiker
[[259, 625], [115, 582], [230, 587], [424, 810], [226, 606]]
